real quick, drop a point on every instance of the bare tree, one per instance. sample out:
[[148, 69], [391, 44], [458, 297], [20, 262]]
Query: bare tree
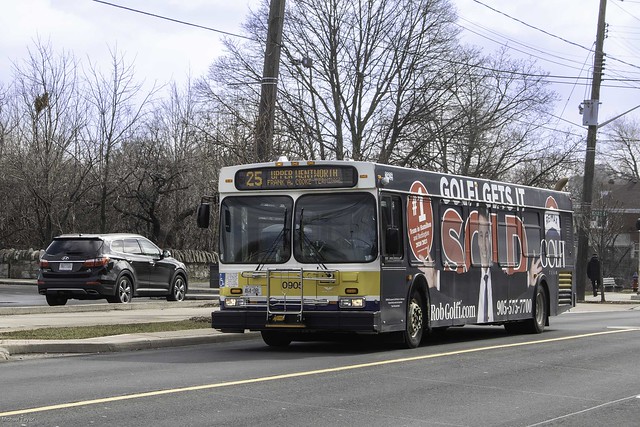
[[49, 159], [9, 225], [375, 71], [168, 168], [494, 122], [607, 224], [387, 81], [175, 124], [623, 148], [229, 96], [368, 67], [548, 168], [118, 107]]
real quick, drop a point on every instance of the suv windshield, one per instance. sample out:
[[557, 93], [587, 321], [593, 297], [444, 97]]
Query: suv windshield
[[74, 247], [335, 228]]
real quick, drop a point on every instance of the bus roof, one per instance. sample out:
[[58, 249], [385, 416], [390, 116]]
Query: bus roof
[[358, 175]]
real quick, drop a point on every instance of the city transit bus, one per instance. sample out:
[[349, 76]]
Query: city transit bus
[[309, 247]]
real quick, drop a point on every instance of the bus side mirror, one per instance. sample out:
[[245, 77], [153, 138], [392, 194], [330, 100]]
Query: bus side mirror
[[204, 213], [392, 241]]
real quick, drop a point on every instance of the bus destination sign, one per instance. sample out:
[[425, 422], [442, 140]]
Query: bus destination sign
[[308, 176]]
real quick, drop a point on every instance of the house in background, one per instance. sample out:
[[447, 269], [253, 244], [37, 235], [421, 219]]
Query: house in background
[[614, 235]]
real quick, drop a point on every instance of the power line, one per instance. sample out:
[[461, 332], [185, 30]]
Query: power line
[[533, 26], [174, 20], [559, 78], [545, 51], [518, 43], [626, 11]]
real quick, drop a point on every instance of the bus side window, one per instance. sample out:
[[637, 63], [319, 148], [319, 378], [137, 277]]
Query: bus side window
[[533, 233], [510, 239], [391, 213]]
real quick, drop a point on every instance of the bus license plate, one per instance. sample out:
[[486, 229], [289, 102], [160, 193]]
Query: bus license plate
[[252, 291], [66, 266]]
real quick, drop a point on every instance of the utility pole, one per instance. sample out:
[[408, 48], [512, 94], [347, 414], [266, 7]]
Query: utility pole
[[269, 90], [589, 163]]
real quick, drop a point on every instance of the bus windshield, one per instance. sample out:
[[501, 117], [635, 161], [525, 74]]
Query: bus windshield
[[335, 228], [255, 229]]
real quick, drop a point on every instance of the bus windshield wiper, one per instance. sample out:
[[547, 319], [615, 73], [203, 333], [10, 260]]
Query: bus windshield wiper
[[304, 240], [281, 236]]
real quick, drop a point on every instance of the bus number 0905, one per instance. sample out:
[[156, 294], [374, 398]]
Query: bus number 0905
[[291, 285]]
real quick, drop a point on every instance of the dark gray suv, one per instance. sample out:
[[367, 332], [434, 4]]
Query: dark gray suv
[[112, 266]]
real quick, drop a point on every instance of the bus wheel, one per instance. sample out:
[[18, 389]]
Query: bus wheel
[[539, 320], [415, 322], [536, 324], [276, 339]]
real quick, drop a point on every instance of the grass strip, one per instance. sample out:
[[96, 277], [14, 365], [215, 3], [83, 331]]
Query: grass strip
[[81, 332]]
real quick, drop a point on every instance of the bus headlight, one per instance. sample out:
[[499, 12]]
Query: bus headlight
[[352, 302], [234, 302]]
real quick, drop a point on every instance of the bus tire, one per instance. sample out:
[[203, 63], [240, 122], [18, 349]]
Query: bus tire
[[414, 330], [536, 324], [276, 338]]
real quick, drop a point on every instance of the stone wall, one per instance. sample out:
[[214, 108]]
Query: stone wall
[[19, 263], [198, 263], [23, 263]]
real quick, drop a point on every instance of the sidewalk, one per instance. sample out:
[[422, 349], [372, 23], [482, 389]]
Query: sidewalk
[[162, 311], [200, 301], [613, 297]]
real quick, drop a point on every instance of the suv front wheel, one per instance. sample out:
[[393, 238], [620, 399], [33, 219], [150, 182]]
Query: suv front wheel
[[124, 291]]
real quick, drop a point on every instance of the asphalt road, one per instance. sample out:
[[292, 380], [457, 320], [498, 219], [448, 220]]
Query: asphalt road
[[582, 371], [27, 296]]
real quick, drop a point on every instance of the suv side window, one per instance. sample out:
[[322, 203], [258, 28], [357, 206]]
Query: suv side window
[[117, 246], [149, 248], [131, 246]]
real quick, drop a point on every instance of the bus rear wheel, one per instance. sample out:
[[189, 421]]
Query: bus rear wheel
[[276, 338], [415, 321], [536, 324]]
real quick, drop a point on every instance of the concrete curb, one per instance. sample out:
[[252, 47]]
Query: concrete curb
[[118, 343]]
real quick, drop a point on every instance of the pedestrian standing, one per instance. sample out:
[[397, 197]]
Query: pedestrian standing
[[593, 273]]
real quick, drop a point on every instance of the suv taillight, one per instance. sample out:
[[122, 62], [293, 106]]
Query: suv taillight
[[44, 263], [96, 262]]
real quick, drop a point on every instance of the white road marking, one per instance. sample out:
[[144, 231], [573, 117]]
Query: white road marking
[[299, 374]]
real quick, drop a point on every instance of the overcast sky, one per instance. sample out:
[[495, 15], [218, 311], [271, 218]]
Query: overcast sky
[[556, 33]]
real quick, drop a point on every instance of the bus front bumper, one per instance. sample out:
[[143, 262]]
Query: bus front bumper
[[347, 321]]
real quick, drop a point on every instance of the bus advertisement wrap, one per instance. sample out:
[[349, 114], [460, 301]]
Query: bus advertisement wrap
[[360, 247]]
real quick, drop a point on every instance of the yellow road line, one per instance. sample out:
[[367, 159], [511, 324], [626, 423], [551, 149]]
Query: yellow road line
[[299, 374]]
